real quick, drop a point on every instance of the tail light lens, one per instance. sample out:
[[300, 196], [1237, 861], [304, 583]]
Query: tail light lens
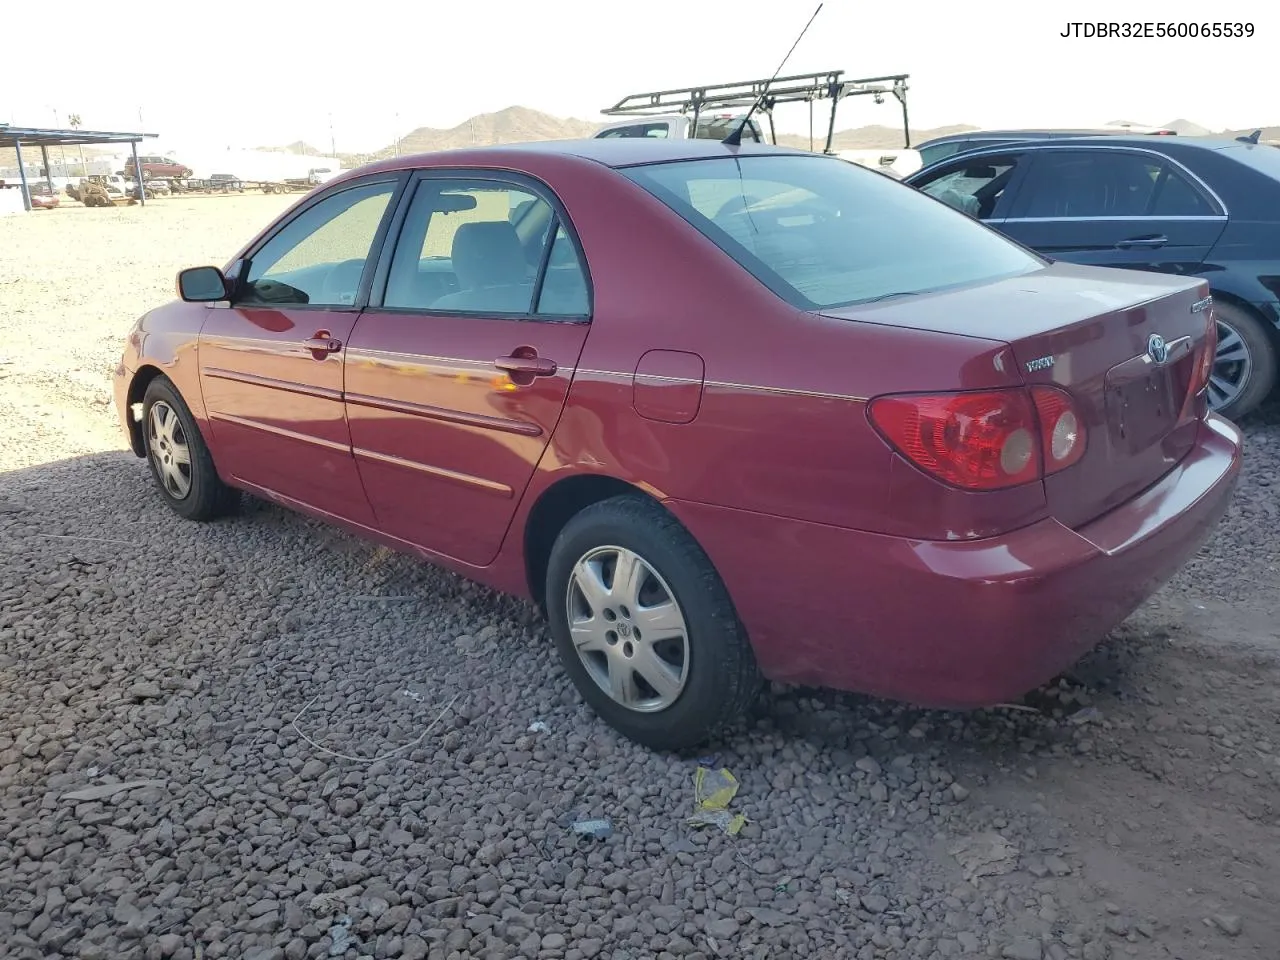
[[1204, 366], [986, 440], [1204, 369], [1062, 438]]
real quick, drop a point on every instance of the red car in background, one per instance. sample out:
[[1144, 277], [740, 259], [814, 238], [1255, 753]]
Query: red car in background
[[156, 167], [42, 196], [725, 413]]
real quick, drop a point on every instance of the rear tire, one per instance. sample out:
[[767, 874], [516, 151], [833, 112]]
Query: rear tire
[[180, 462], [697, 653], [1246, 361]]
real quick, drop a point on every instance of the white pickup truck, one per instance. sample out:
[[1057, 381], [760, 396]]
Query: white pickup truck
[[669, 114], [895, 162], [679, 126]]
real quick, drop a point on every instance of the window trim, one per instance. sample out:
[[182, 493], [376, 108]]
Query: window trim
[[239, 272], [542, 190], [1196, 182]]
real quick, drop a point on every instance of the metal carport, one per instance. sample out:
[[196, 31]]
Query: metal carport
[[44, 138]]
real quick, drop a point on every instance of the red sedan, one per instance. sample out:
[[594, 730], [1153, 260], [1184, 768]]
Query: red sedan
[[725, 413]]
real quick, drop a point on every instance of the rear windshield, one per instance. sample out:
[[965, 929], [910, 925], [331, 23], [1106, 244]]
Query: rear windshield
[[717, 128], [1262, 157], [822, 232]]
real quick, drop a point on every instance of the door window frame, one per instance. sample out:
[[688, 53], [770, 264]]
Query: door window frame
[[238, 273], [390, 239], [1152, 156]]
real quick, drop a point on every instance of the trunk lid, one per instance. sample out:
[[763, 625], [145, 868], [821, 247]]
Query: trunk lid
[[1090, 332]]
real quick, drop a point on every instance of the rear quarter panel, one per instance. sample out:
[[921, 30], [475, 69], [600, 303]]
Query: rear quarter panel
[[781, 428]]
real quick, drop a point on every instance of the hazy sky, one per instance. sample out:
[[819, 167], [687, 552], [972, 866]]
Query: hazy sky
[[268, 72]]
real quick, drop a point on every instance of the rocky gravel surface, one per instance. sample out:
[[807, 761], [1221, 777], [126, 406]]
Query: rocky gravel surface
[[263, 739]]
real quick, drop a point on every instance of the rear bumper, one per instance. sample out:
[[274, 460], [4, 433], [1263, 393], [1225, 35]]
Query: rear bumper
[[958, 624]]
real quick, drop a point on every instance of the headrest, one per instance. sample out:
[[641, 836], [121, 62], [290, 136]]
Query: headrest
[[488, 253]]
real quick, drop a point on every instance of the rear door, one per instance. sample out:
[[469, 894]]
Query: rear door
[[271, 363], [458, 371], [1115, 207]]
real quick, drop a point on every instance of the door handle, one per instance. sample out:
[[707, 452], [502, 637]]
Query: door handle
[[1159, 241], [533, 366], [322, 343]]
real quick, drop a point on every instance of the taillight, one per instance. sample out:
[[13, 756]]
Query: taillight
[[1204, 369], [1061, 432], [983, 440], [1204, 365]]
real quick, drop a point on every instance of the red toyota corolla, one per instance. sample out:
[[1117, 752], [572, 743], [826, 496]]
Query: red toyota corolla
[[725, 413]]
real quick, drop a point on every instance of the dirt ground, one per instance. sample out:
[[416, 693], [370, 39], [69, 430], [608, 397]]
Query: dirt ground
[[1131, 810]]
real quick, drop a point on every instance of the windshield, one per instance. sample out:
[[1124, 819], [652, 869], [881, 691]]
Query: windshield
[[822, 232]]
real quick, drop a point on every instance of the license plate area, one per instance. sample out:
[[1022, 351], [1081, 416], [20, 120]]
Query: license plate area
[[1141, 406]]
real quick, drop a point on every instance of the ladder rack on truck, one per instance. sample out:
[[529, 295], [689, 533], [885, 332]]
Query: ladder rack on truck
[[798, 88]]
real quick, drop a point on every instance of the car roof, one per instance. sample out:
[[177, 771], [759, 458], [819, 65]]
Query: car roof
[[610, 152], [1032, 132], [1143, 141]]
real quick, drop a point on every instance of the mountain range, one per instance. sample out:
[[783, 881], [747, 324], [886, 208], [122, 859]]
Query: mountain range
[[515, 124]]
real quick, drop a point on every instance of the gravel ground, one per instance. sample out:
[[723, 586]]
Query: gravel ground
[[176, 698]]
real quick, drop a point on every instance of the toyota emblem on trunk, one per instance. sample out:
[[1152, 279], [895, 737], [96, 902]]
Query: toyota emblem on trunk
[[1157, 349]]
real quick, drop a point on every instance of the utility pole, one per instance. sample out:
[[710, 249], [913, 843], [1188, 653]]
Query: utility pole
[[333, 149], [62, 150], [73, 120]]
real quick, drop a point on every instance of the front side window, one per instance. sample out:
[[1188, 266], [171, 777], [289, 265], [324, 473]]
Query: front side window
[[975, 187], [480, 247], [821, 232], [319, 256]]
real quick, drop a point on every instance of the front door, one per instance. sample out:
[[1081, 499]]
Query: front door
[[458, 371], [1114, 207], [271, 362]]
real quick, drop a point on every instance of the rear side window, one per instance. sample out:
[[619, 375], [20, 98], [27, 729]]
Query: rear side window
[[1176, 196], [1107, 183], [822, 232], [481, 247]]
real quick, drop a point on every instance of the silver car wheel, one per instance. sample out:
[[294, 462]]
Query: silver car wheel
[[169, 450], [628, 629], [1232, 367]]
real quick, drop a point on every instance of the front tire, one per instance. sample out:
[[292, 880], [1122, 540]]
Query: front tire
[[180, 461], [645, 628], [1244, 367]]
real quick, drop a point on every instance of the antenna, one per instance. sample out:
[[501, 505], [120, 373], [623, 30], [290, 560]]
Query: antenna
[[734, 139], [1251, 138]]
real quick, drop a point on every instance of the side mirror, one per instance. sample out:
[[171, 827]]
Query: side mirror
[[202, 285]]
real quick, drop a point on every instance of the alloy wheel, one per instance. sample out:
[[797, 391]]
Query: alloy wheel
[[628, 629], [1232, 367], [169, 450]]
